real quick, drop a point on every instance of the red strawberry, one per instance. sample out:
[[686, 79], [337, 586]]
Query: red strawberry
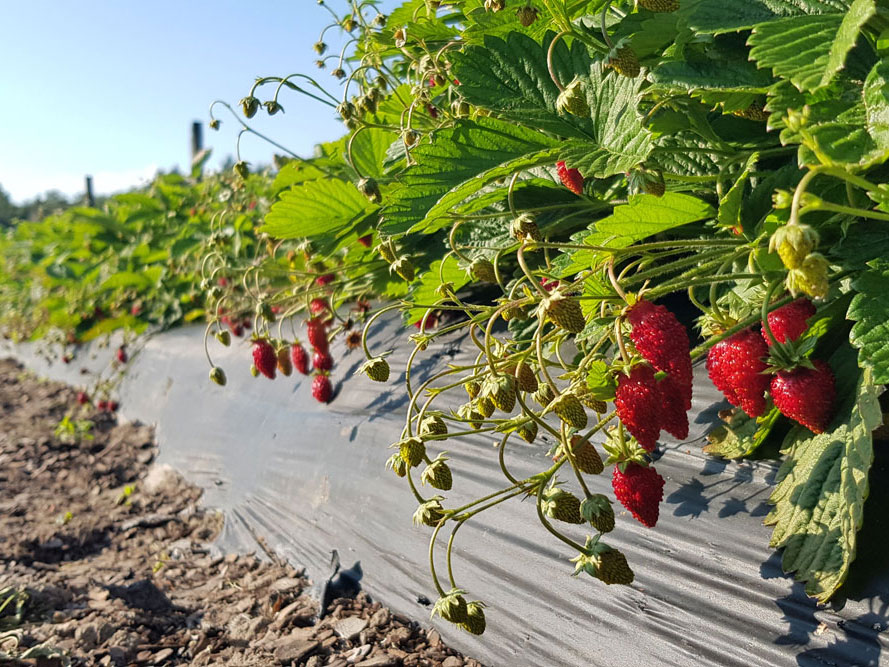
[[122, 355], [570, 178], [322, 361], [736, 366], [237, 330], [366, 240], [325, 279], [82, 398], [247, 323], [321, 389], [318, 306], [431, 321], [548, 285], [640, 489], [222, 282], [663, 342], [317, 333], [789, 322], [806, 395], [300, 358], [102, 405], [674, 415], [264, 358], [113, 406], [432, 111], [638, 402]]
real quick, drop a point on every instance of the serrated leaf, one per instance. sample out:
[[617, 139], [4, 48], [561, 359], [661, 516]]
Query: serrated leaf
[[718, 16], [730, 205], [314, 208], [369, 149], [809, 50], [644, 215], [599, 381], [876, 103], [511, 77], [697, 75], [455, 156], [822, 486], [741, 435], [870, 312]]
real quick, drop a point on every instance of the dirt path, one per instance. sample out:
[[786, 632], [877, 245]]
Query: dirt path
[[106, 560]]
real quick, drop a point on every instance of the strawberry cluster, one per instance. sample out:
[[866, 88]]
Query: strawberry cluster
[[801, 389], [645, 404]]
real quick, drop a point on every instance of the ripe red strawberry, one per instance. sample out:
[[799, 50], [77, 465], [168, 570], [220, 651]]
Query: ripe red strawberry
[[789, 322], [113, 406], [102, 405], [317, 333], [322, 361], [321, 389], [300, 358], [663, 342], [736, 366], [571, 178], [640, 489], [674, 415], [318, 306], [237, 330], [325, 279], [806, 395], [264, 358], [638, 403], [122, 355], [82, 397], [366, 240]]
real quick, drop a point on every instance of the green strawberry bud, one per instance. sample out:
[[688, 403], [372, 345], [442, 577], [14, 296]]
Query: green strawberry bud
[[377, 369], [451, 606], [793, 243], [370, 189], [224, 337], [241, 169], [572, 100], [249, 106], [320, 48], [404, 268], [483, 270], [272, 107], [214, 124], [433, 424], [397, 464], [526, 15], [217, 375], [412, 450], [475, 618], [429, 513], [437, 474]]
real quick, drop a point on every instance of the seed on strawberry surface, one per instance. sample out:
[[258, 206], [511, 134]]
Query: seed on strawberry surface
[[806, 395], [640, 489], [264, 358], [737, 368], [322, 391]]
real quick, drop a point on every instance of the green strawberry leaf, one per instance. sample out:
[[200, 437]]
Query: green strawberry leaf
[[741, 435], [809, 50], [644, 215], [718, 16], [314, 208], [600, 381], [870, 312], [424, 289], [822, 485]]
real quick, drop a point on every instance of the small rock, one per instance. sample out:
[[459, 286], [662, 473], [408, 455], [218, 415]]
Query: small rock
[[379, 660], [452, 661], [285, 585], [294, 650], [434, 638], [350, 627], [87, 636], [166, 653], [379, 618]]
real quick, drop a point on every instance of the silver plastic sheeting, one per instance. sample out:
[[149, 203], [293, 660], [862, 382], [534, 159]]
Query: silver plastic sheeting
[[309, 478]]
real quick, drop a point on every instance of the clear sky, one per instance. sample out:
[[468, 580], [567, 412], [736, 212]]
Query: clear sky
[[110, 87]]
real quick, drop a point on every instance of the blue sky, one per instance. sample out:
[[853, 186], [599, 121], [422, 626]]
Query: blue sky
[[110, 87]]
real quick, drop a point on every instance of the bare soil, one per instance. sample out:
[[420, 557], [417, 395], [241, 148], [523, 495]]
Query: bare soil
[[106, 559]]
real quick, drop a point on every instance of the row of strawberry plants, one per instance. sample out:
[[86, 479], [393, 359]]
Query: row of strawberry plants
[[543, 175]]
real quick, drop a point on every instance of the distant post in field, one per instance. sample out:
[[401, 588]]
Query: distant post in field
[[197, 146], [88, 195]]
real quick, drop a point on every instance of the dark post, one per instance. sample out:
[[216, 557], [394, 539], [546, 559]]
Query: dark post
[[197, 139], [90, 200]]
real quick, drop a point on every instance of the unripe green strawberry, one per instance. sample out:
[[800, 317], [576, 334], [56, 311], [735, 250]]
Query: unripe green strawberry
[[349, 23], [224, 337], [254, 371], [660, 6], [370, 189], [524, 228], [563, 311], [472, 388], [437, 474], [598, 511], [412, 450], [588, 400], [377, 369], [572, 100], [560, 505], [468, 412], [241, 169], [475, 618], [569, 409], [528, 431], [526, 15], [217, 375], [285, 365], [483, 270], [585, 456], [495, 5], [404, 268], [624, 61], [544, 395], [433, 424], [756, 112], [485, 406], [501, 391], [613, 568], [526, 379], [410, 138], [451, 606], [386, 248], [272, 107], [320, 48], [249, 106], [429, 513], [397, 464], [810, 277], [655, 186], [793, 243]]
